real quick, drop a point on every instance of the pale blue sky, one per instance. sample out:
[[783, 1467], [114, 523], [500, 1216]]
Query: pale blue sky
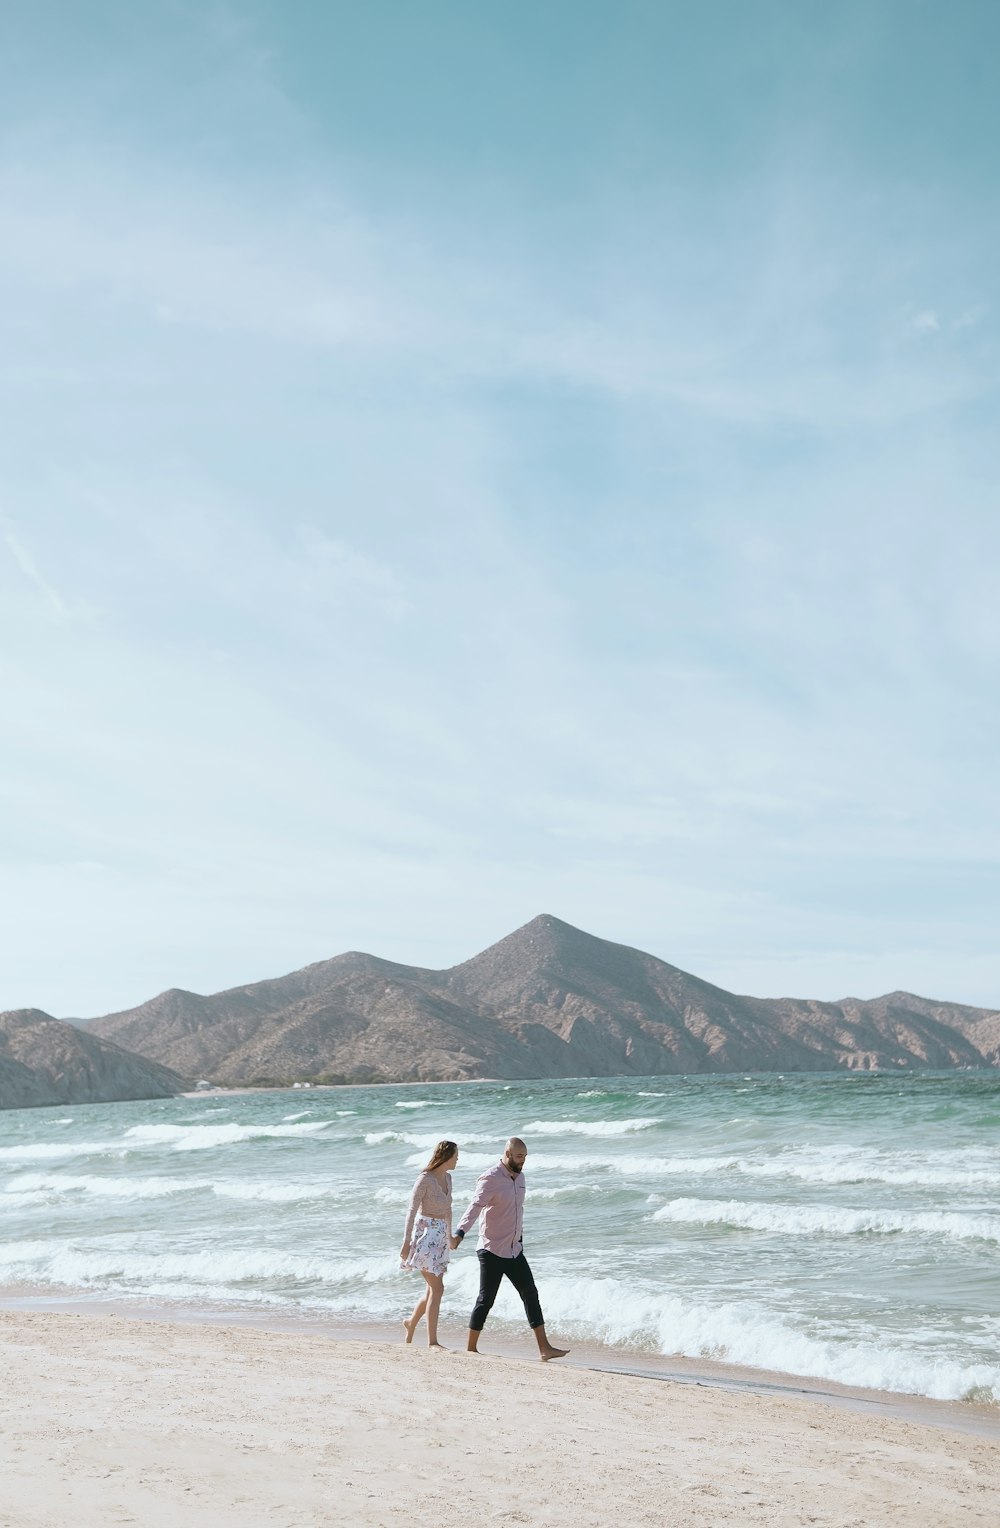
[[464, 461]]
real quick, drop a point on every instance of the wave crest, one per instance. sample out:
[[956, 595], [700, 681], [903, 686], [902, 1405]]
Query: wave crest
[[820, 1220]]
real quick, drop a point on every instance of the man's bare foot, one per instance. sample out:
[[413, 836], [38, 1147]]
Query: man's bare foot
[[547, 1354]]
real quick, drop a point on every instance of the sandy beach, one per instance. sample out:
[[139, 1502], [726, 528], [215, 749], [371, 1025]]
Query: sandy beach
[[109, 1419]]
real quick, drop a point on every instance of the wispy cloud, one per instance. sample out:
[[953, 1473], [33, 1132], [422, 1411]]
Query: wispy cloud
[[53, 600], [627, 553], [972, 317], [778, 327]]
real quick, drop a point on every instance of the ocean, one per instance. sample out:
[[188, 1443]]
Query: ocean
[[842, 1227]]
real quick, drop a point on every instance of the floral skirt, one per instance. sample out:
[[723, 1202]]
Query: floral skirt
[[429, 1247]]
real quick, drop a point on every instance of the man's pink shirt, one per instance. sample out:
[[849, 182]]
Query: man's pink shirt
[[499, 1200]]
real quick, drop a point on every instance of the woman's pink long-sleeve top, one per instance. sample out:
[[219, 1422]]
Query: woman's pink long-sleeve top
[[430, 1199]]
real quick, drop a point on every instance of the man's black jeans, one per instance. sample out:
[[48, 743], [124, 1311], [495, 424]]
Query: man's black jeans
[[491, 1271]]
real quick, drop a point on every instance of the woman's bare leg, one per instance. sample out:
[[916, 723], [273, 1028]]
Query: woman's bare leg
[[435, 1289], [411, 1325]]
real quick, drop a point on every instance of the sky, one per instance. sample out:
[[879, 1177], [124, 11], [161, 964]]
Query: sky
[[459, 462]]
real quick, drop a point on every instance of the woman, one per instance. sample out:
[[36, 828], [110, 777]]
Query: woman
[[428, 1235]]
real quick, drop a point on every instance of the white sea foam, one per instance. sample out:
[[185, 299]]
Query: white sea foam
[[44, 1151], [756, 1337], [278, 1193], [546, 1161], [426, 1142], [567, 1191], [14, 1255], [543, 1162], [876, 1169], [471, 1161], [208, 1137], [38, 1187], [840, 1170], [286, 1119], [72, 1264], [588, 1127], [42, 1185], [392, 1196], [593, 1093], [13, 1200], [420, 1103], [829, 1220]]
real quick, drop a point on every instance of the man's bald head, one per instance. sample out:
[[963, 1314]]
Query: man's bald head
[[514, 1154]]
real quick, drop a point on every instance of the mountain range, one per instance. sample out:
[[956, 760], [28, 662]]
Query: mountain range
[[547, 1001]]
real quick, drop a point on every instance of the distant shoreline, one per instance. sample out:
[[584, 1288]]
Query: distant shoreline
[[222, 1091]]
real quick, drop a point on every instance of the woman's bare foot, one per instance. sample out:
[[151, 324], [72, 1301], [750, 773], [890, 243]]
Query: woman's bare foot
[[408, 1328], [437, 1345]]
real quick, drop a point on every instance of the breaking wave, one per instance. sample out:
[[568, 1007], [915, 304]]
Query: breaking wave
[[426, 1142], [917, 1174], [38, 1188], [41, 1185], [756, 1337], [208, 1137], [43, 1151], [70, 1264], [815, 1220]]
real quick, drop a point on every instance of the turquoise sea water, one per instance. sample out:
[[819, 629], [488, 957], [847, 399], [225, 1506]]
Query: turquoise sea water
[[844, 1227]]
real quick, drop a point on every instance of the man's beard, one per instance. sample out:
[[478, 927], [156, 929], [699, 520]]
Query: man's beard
[[511, 1167]]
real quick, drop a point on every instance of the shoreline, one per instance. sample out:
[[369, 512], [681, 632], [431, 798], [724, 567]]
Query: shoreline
[[117, 1419], [238, 1090], [974, 1418]]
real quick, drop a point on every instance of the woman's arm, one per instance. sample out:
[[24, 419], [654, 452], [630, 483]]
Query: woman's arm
[[416, 1199]]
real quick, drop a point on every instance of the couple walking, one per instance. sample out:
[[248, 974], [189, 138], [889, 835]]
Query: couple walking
[[498, 1205]]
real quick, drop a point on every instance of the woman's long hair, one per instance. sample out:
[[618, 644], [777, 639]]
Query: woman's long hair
[[443, 1152]]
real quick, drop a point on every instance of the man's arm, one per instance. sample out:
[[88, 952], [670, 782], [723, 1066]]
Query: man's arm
[[478, 1203]]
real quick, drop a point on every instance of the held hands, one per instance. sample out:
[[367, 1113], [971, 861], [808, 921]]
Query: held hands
[[454, 1243]]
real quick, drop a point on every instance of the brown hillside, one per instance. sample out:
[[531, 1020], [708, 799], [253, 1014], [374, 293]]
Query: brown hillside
[[44, 1061], [547, 1001]]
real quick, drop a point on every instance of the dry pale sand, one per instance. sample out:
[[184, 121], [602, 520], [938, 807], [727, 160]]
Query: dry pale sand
[[112, 1420]]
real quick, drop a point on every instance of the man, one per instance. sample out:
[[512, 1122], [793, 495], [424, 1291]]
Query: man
[[499, 1199]]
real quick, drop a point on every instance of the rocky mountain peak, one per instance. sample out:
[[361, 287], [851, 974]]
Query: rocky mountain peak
[[548, 1000]]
